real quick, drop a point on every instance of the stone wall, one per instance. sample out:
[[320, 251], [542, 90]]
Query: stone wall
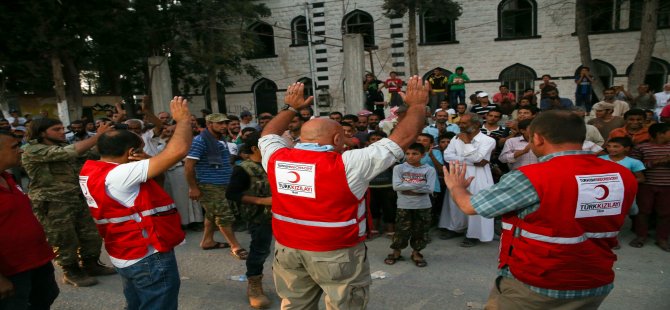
[[555, 51]]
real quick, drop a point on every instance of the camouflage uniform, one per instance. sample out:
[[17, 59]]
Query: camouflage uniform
[[259, 187], [411, 226], [259, 218], [217, 208], [58, 203]]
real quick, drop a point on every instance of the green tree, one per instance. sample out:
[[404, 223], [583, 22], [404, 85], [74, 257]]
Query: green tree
[[448, 10], [213, 35], [649, 25]]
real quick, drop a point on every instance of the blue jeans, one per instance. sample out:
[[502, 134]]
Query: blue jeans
[[34, 289], [583, 100], [152, 283], [458, 94], [435, 100], [261, 239]]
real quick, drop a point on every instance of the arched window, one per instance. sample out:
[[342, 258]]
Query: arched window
[[263, 35], [605, 71], [518, 78], [360, 22], [517, 19], [428, 74], [309, 91], [657, 74], [436, 30], [299, 31], [265, 96]]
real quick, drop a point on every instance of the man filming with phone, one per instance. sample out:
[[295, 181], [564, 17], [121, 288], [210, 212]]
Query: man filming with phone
[[136, 218]]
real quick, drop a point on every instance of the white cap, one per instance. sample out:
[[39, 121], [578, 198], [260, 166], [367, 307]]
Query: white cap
[[482, 95]]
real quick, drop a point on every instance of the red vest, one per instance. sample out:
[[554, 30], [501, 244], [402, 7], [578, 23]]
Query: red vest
[[122, 228], [313, 208], [566, 243]]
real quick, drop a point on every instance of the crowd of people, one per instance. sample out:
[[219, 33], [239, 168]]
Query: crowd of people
[[415, 160]]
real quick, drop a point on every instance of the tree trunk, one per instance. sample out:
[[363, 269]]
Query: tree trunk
[[73, 83], [647, 43], [213, 95], [411, 40], [59, 87], [582, 25]]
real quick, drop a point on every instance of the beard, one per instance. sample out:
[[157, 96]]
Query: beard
[[54, 140]]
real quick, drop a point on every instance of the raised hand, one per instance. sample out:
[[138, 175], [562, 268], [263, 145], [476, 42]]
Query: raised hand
[[104, 127], [455, 176], [146, 104], [295, 96], [179, 110], [417, 92]]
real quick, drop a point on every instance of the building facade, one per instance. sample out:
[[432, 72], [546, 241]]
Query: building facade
[[511, 42]]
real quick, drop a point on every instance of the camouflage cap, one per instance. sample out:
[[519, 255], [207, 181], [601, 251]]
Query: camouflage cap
[[216, 118]]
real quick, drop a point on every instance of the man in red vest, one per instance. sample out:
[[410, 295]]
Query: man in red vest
[[561, 218], [136, 218], [318, 201], [26, 274]]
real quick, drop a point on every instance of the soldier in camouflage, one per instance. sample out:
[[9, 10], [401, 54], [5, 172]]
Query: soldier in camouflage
[[249, 187], [57, 200]]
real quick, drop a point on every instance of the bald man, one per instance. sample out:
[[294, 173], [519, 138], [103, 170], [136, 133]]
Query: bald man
[[318, 202]]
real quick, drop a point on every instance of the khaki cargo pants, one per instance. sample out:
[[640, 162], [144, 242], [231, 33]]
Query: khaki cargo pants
[[302, 276]]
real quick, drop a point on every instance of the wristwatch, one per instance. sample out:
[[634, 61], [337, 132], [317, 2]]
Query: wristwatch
[[290, 108]]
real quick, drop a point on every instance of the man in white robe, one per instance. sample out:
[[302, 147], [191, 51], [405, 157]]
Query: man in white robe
[[474, 149]]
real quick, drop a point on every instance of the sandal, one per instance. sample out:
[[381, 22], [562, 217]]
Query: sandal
[[240, 254], [469, 242], [663, 245], [638, 242], [217, 245], [390, 259], [418, 260]]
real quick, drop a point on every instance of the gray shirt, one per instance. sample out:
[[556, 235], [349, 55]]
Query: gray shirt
[[419, 179]]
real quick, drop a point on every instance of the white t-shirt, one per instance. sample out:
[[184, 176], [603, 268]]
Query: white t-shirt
[[22, 121], [152, 144], [123, 185], [232, 148]]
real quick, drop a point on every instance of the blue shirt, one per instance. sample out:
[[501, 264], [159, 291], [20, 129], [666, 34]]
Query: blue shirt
[[632, 164], [432, 130], [545, 104], [206, 173], [427, 161]]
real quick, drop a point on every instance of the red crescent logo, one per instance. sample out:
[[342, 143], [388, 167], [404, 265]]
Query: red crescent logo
[[606, 191], [297, 177]]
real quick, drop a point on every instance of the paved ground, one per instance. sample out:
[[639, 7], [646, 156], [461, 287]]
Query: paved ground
[[455, 278]]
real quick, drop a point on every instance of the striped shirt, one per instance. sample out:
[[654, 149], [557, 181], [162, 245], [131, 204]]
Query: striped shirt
[[483, 110], [206, 173], [648, 152], [514, 192], [500, 132]]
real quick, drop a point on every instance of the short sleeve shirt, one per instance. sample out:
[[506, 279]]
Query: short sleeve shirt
[[206, 173]]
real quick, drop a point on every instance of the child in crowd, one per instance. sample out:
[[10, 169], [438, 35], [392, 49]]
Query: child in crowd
[[444, 139], [382, 196], [433, 157], [617, 149], [413, 182]]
